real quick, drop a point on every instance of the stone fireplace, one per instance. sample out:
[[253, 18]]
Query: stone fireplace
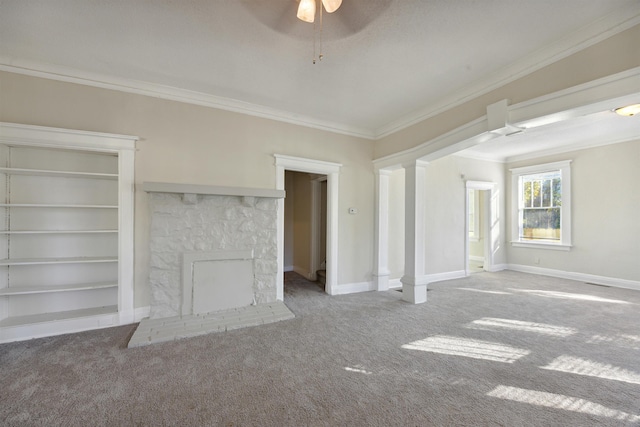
[[212, 248], [214, 261]]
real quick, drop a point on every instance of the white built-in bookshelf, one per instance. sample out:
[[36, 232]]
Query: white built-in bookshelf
[[66, 231]]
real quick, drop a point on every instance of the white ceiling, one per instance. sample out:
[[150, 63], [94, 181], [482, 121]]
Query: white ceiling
[[386, 62]]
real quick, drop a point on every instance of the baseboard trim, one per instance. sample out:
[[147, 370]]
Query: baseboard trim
[[447, 275], [57, 327], [288, 268], [498, 267], [581, 277], [353, 288], [141, 313], [395, 284], [476, 258]]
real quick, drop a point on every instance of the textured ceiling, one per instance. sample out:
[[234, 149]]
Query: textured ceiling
[[385, 61]]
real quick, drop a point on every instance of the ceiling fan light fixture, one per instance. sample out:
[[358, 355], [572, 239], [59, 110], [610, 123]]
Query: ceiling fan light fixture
[[628, 111], [331, 5], [307, 10]]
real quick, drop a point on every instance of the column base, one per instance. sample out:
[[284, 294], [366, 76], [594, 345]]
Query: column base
[[381, 282], [414, 289]]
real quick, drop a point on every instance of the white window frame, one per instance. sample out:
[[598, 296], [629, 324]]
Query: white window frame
[[565, 211]]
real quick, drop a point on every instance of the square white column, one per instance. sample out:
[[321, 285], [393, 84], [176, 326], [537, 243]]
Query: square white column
[[381, 262], [414, 281]]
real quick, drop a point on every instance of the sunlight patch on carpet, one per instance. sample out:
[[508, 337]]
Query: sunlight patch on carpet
[[565, 295], [621, 340], [475, 349], [559, 401], [359, 369], [589, 368], [491, 323]]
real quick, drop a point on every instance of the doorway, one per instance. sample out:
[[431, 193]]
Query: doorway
[[475, 235], [332, 173], [305, 225], [478, 230]]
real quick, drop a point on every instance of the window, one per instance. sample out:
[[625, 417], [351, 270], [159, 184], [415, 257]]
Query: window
[[542, 206]]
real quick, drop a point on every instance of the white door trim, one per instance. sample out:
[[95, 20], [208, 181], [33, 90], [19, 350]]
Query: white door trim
[[316, 226], [488, 192], [332, 171]]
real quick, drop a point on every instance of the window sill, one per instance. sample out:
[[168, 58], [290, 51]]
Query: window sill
[[541, 245]]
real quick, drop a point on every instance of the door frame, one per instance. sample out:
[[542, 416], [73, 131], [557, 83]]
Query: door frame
[[332, 171], [488, 190]]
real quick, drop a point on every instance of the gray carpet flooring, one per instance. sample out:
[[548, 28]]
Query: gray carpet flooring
[[493, 349]]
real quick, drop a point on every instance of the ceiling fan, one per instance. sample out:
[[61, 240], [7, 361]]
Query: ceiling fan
[[307, 8]]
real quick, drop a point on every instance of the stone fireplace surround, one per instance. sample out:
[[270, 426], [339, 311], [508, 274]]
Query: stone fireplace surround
[[213, 255]]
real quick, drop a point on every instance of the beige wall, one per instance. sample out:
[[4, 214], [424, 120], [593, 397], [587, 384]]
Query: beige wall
[[446, 212], [445, 217], [605, 214], [615, 54], [192, 144]]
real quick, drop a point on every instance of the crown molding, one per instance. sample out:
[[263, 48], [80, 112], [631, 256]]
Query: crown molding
[[607, 26], [569, 149], [71, 75]]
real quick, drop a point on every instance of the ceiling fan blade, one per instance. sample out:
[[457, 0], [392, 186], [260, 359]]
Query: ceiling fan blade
[[331, 5]]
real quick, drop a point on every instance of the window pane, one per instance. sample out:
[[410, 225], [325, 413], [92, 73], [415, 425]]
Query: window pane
[[537, 199], [541, 224], [546, 193], [557, 192], [527, 194]]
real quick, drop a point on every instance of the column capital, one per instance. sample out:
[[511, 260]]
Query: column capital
[[415, 163], [383, 172]]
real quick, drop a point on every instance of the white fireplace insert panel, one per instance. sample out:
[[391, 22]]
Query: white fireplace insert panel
[[214, 281]]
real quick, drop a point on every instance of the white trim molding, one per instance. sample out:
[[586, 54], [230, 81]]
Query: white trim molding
[[332, 170], [76, 76], [354, 288], [609, 25], [490, 226], [141, 313], [598, 95], [170, 187], [58, 327], [447, 275], [565, 210], [581, 277]]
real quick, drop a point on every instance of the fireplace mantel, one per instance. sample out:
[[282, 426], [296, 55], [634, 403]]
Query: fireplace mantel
[[166, 187]]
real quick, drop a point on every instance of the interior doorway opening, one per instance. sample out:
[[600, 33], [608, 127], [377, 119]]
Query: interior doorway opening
[[478, 230], [332, 173], [475, 235], [305, 225]]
